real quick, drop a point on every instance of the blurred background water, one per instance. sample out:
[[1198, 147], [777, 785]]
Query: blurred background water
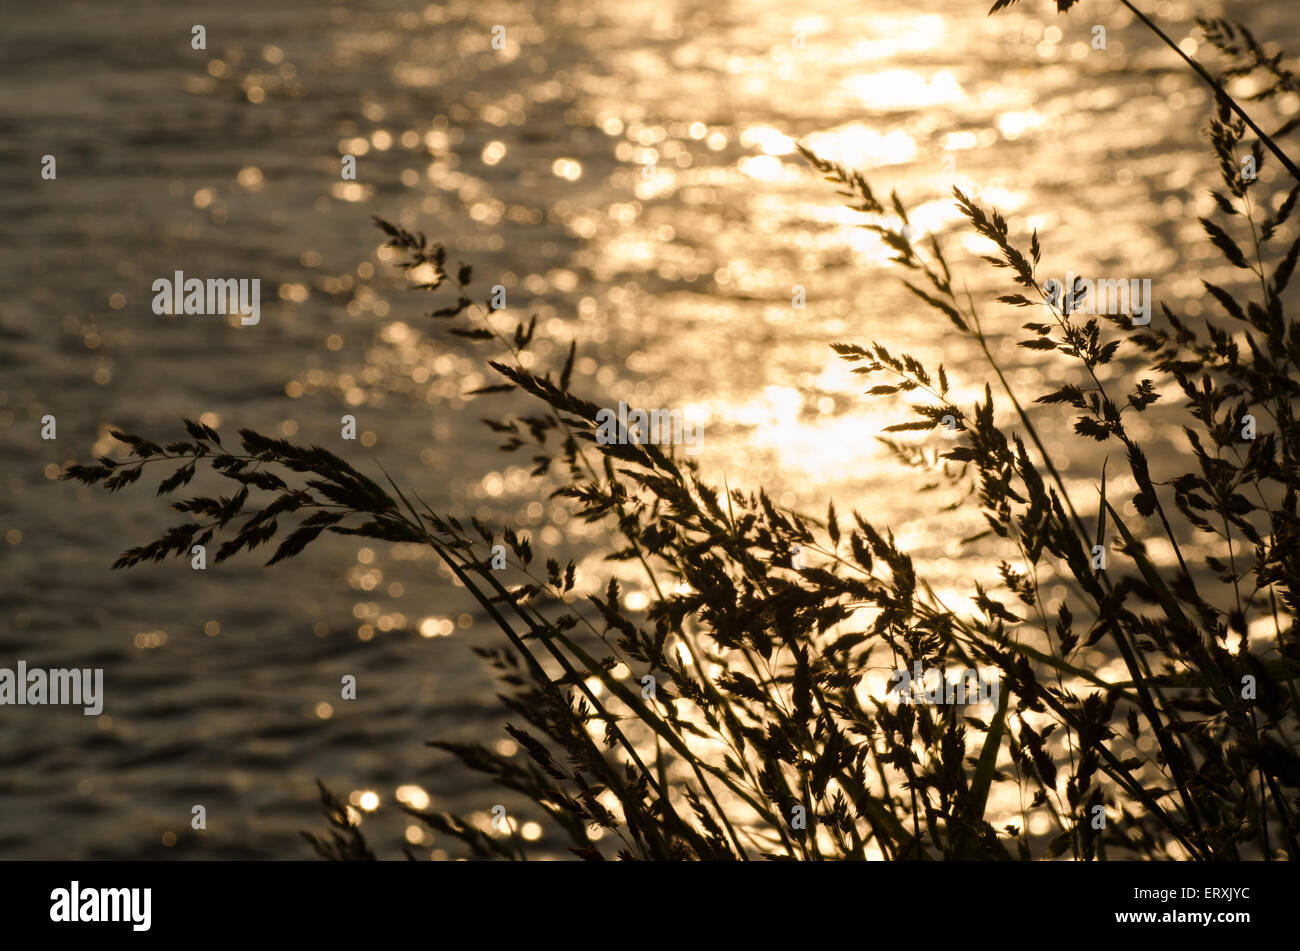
[[627, 171]]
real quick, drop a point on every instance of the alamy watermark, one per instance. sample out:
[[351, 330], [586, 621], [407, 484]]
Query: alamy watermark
[[213, 297], [931, 685], [642, 426], [1101, 296], [77, 904], [58, 686]]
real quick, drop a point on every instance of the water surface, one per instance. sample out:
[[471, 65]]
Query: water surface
[[626, 171]]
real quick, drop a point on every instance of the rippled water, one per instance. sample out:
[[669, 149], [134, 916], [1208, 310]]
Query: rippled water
[[626, 170]]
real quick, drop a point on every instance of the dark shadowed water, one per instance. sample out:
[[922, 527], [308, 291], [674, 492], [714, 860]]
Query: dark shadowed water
[[626, 171]]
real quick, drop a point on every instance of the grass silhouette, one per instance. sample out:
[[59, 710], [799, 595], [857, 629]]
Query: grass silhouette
[[757, 739]]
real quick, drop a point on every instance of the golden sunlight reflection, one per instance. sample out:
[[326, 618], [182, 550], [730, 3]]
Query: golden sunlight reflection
[[413, 796], [365, 799], [629, 174], [861, 146], [905, 89], [767, 139], [436, 627], [891, 35]]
